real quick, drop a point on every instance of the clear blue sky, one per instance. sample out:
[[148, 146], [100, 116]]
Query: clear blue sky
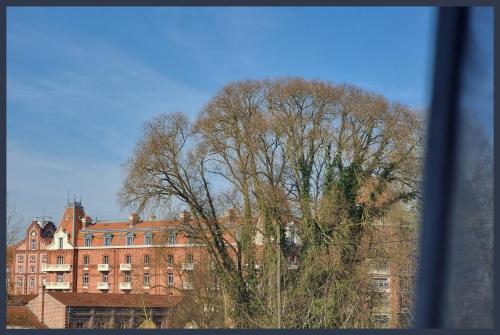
[[81, 81]]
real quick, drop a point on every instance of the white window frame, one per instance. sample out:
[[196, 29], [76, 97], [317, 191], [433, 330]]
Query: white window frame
[[85, 279], [170, 279]]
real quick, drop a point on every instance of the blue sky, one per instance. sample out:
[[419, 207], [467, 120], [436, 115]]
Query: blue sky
[[82, 81]]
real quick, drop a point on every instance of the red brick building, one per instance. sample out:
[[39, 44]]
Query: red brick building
[[134, 256], [138, 257], [94, 310]]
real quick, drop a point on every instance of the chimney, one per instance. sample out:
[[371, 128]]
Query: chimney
[[86, 221], [231, 214], [185, 216], [133, 219]]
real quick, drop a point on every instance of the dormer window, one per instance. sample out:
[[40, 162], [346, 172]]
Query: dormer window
[[148, 237], [107, 240], [61, 242], [171, 236], [88, 240], [130, 239]]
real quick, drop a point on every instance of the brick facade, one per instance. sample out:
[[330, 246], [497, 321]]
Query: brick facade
[[55, 313], [126, 257]]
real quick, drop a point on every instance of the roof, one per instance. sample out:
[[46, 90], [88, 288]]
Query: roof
[[115, 299], [22, 317], [147, 225], [20, 299], [126, 225]]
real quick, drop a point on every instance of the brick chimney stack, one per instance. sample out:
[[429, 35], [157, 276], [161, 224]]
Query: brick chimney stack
[[231, 214], [86, 221], [185, 216], [133, 219]]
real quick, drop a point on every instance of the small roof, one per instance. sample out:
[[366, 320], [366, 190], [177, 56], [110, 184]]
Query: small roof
[[22, 317], [20, 299], [115, 299], [148, 323]]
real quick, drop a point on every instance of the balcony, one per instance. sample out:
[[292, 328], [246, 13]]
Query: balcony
[[57, 286], [125, 286], [55, 267], [379, 271], [102, 267], [187, 266], [125, 267], [187, 286], [103, 286]]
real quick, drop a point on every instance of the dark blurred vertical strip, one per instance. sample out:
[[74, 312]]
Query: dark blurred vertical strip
[[456, 273], [3, 151], [439, 167]]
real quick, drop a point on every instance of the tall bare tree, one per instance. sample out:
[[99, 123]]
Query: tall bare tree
[[331, 158]]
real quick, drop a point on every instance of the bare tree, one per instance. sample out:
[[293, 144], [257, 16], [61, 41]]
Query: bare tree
[[15, 225], [333, 159]]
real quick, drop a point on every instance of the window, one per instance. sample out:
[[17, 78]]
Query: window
[[33, 244], [79, 324], [105, 277], [403, 302], [60, 260], [86, 260], [20, 269], [148, 239], [130, 239], [381, 319], [32, 282], [105, 259], [88, 240], [146, 260], [20, 259], [170, 260], [32, 269], [171, 236], [190, 258], [107, 240], [122, 325], [19, 282], [85, 279], [190, 239], [44, 258], [61, 242], [146, 279], [127, 277], [128, 259], [380, 283], [32, 258], [60, 278], [170, 279]]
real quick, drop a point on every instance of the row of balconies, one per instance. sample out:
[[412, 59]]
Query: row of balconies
[[128, 286], [102, 286], [101, 267]]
